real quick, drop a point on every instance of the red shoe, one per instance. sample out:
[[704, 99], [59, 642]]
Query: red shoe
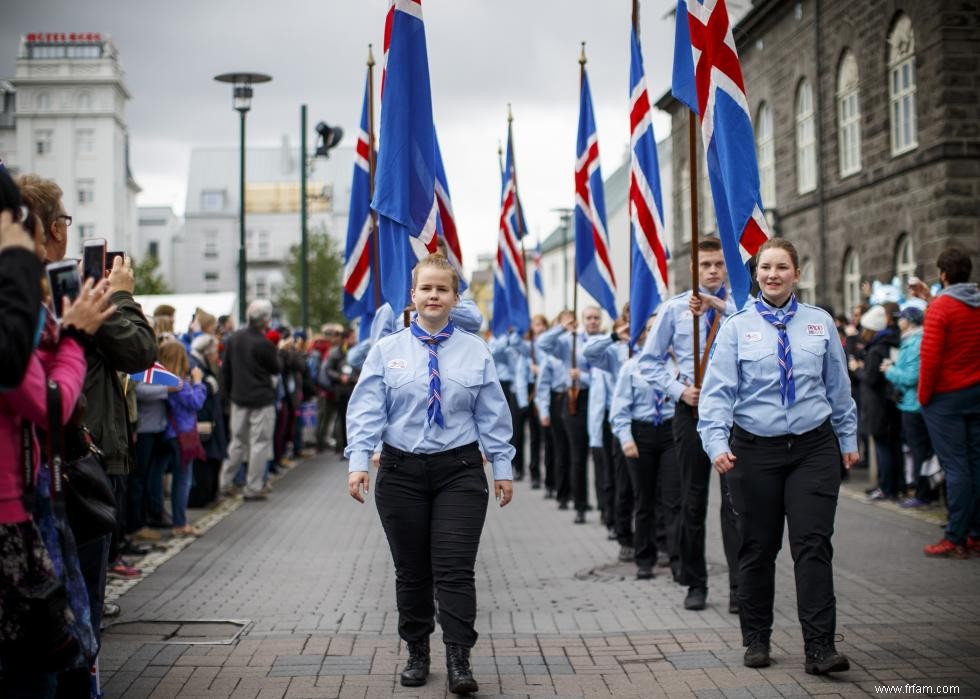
[[946, 548], [973, 545], [121, 571]]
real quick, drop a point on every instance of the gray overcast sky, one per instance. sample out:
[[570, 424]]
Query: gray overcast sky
[[482, 55]]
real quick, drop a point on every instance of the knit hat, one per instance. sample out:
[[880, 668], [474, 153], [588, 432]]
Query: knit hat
[[875, 319], [273, 336], [913, 315]]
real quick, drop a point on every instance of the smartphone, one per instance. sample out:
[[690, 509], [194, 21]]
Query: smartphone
[[93, 259], [110, 259], [65, 282]]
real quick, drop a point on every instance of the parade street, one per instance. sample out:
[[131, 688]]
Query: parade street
[[310, 575]]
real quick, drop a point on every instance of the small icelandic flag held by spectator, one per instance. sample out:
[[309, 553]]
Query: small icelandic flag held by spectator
[[156, 375]]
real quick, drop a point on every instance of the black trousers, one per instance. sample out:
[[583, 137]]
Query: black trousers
[[625, 502], [556, 437], [605, 474], [535, 437], [655, 474], [695, 469], [517, 427], [433, 507], [577, 435], [796, 479]]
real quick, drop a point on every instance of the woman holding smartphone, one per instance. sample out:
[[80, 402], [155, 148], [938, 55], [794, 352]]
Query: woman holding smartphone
[[777, 417], [430, 395]]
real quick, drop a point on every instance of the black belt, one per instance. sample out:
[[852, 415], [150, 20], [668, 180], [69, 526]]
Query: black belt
[[781, 439], [456, 451]]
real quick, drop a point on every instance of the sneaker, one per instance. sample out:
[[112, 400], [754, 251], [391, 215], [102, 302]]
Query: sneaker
[[121, 571], [912, 503], [876, 495], [232, 491], [946, 549], [757, 654], [146, 534], [110, 610], [256, 497], [187, 530], [823, 658], [626, 554]]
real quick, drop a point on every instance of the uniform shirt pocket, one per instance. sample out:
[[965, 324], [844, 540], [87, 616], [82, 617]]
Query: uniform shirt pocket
[[461, 388], [809, 361], [397, 378], [758, 364]]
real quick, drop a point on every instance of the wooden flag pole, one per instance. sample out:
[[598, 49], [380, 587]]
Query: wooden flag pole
[[695, 285], [372, 164], [632, 238], [574, 389]]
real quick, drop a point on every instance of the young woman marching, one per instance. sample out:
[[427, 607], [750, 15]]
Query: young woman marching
[[430, 395], [776, 416]]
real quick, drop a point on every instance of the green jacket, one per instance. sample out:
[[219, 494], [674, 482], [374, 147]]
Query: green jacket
[[125, 343]]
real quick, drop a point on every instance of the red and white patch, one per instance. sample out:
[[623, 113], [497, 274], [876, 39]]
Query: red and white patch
[[816, 329], [753, 337]]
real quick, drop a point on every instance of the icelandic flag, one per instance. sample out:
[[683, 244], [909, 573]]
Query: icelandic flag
[[405, 179], [510, 307], [706, 64], [156, 375], [592, 262], [648, 282], [447, 220], [538, 281], [358, 268]]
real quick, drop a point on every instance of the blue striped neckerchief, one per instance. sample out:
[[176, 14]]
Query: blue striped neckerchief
[[434, 408], [787, 384]]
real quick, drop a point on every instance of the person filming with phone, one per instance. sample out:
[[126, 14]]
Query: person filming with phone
[[123, 343]]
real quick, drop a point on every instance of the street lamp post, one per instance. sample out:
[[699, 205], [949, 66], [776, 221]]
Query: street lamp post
[[242, 102]]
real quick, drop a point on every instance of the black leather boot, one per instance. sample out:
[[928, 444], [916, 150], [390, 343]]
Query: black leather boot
[[417, 668], [458, 671]]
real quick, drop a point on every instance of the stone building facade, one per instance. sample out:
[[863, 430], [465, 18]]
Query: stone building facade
[[867, 123]]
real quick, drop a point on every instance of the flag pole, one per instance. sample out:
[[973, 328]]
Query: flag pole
[[520, 214], [376, 271], [629, 342], [573, 390], [693, 161]]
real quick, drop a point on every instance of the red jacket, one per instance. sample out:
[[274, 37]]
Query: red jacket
[[950, 355], [66, 365]]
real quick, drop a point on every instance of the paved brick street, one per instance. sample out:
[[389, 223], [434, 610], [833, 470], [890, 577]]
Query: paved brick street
[[310, 573]]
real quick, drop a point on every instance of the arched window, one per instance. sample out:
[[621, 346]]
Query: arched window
[[852, 280], [905, 260], [901, 86], [766, 152], [84, 101], [807, 286], [848, 116], [806, 142], [43, 102]]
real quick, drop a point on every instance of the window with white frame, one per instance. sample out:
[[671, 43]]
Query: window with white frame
[[210, 243], [43, 102], [263, 244], [212, 200], [765, 147], [848, 116], [153, 249], [261, 288], [852, 280], [84, 101], [210, 281], [806, 142], [807, 286], [85, 141], [86, 191], [43, 141], [901, 86], [86, 230], [905, 263]]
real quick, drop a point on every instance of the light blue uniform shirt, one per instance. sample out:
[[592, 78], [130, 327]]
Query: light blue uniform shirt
[[522, 369], [465, 316], [557, 341], [502, 357], [358, 353], [634, 399], [390, 399], [601, 352], [600, 398], [674, 328], [742, 381], [551, 377]]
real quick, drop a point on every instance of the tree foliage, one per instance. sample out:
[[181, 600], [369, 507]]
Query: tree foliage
[[148, 281], [326, 270]]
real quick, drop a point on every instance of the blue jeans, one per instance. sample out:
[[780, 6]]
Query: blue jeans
[[953, 420], [180, 487]]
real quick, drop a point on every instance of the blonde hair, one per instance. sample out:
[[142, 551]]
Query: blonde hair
[[173, 356], [780, 244], [438, 262]]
